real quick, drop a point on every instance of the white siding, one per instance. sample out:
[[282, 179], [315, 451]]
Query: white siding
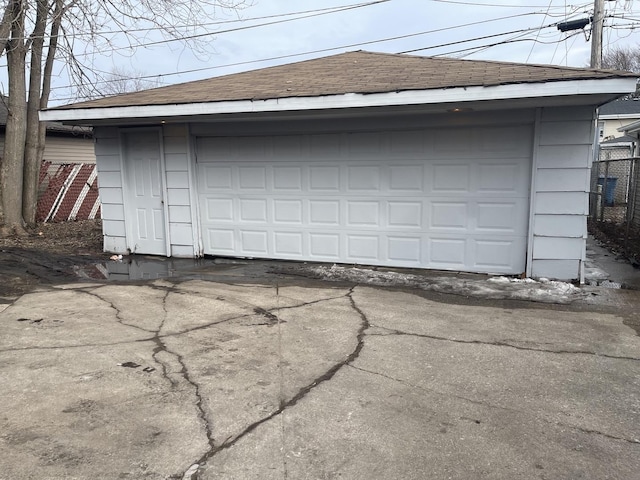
[[177, 164], [107, 153], [562, 163]]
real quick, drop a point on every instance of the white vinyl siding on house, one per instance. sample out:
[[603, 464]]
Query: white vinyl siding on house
[[66, 149], [445, 198], [69, 150], [561, 201]]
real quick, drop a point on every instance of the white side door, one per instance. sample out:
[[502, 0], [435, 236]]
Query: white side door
[[146, 233]]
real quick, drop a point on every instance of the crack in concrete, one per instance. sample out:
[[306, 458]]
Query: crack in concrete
[[283, 433], [496, 407], [498, 343], [119, 318], [302, 393], [168, 335], [84, 345], [161, 346], [436, 392], [634, 441]]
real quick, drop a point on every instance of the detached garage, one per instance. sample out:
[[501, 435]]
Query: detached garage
[[359, 158]]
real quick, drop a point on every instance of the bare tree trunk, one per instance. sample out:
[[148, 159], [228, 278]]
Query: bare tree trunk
[[5, 31], [5, 27], [34, 148], [13, 158]]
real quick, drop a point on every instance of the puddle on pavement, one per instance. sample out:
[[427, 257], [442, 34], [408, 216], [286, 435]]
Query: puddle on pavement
[[142, 268]]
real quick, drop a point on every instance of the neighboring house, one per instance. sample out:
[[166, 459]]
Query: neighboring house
[[360, 158], [614, 148], [63, 144], [613, 116]]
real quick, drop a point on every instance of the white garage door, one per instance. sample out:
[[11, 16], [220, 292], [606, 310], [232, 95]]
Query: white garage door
[[454, 199]]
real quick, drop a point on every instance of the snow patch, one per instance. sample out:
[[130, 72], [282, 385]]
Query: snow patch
[[500, 287]]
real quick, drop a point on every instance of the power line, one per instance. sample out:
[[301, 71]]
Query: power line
[[348, 46], [325, 50], [334, 10], [209, 24], [484, 37], [476, 4], [219, 32], [534, 43]]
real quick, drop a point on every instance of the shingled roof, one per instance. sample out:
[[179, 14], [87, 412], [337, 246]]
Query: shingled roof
[[628, 106], [353, 72]]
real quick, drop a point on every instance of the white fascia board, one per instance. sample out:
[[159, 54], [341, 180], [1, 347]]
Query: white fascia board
[[617, 86], [625, 116], [631, 128]]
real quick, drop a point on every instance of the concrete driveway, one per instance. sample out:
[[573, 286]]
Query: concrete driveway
[[296, 380]]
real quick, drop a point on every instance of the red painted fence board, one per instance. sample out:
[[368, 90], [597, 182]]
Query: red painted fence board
[[67, 192]]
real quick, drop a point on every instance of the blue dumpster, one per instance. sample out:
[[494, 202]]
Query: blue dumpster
[[609, 189]]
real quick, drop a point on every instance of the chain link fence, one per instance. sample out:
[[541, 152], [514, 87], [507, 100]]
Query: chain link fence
[[614, 203]]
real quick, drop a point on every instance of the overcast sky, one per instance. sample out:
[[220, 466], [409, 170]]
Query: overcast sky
[[513, 30]]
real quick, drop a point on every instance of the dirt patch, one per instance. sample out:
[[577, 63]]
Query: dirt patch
[[48, 254], [614, 237]]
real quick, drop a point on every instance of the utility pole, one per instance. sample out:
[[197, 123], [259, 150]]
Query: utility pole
[[596, 34]]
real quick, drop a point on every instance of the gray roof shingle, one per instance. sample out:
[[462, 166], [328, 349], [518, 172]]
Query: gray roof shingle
[[353, 72], [629, 106]]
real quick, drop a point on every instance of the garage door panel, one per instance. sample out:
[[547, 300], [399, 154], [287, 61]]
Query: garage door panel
[[404, 251], [287, 211], [363, 248], [363, 213], [499, 178], [407, 144], [364, 145], [501, 217], [382, 199], [324, 246], [221, 241], [214, 178], [287, 178], [448, 215], [324, 178], [252, 210], [447, 252], [325, 146], [405, 214], [406, 178], [218, 209], [254, 242], [363, 178], [289, 244], [252, 179], [452, 141], [510, 141], [495, 254]]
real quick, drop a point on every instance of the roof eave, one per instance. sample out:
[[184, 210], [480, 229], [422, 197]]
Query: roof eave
[[612, 87], [633, 129]]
